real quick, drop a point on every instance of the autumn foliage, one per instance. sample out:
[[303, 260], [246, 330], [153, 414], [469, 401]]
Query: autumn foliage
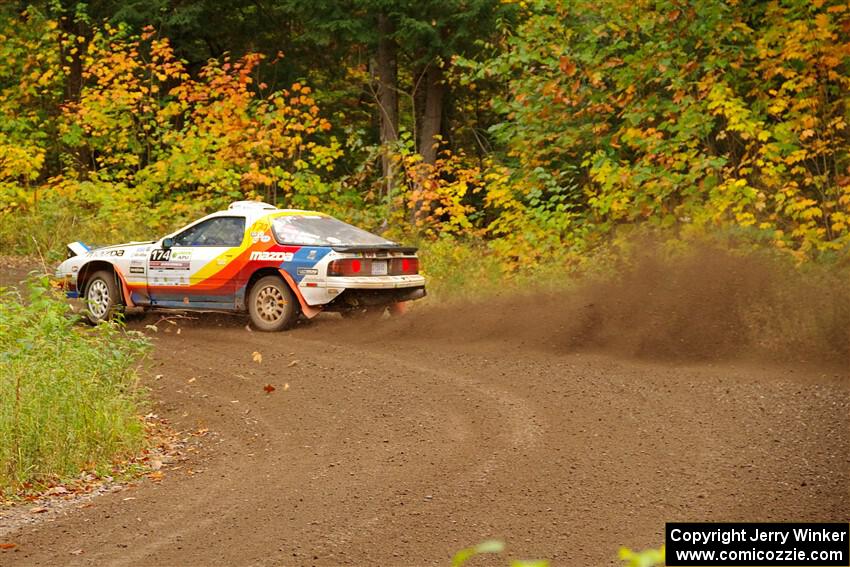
[[683, 115], [572, 123], [145, 135]]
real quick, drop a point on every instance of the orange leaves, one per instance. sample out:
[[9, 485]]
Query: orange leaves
[[567, 66], [151, 126]]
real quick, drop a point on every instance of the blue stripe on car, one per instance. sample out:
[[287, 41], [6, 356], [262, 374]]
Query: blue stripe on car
[[306, 257]]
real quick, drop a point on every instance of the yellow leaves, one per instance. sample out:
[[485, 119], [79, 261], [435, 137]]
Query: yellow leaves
[[822, 21], [777, 105], [839, 221], [745, 218]]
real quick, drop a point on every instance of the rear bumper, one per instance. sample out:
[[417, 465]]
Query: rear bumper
[[375, 282]]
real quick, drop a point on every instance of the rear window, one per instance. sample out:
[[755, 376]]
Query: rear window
[[314, 230]]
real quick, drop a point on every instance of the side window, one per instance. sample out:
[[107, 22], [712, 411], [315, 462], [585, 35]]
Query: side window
[[220, 231]]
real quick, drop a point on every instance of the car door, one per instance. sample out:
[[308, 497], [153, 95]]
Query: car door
[[190, 268]]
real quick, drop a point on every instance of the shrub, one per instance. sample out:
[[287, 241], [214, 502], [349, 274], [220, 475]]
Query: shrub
[[69, 395]]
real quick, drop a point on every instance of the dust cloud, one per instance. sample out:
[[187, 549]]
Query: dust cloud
[[708, 305]]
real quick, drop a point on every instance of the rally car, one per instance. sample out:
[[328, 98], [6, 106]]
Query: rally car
[[276, 264]]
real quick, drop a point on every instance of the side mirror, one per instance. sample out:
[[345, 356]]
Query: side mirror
[[167, 243]]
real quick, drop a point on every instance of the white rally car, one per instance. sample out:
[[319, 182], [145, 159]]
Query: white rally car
[[276, 264]]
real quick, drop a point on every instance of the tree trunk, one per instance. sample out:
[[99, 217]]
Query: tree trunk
[[418, 100], [429, 132], [387, 76], [74, 80]]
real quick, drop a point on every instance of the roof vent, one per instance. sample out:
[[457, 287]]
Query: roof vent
[[251, 205]]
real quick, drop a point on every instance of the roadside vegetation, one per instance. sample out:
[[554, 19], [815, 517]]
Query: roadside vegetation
[[512, 139], [69, 394], [630, 558]]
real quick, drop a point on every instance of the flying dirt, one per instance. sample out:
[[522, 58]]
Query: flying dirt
[[566, 424]]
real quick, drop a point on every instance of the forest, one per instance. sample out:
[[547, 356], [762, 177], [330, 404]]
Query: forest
[[532, 134]]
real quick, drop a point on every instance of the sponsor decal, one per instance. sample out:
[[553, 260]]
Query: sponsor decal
[[142, 251], [311, 255], [308, 272], [169, 280], [170, 260], [117, 253], [272, 256], [137, 269], [160, 265], [259, 236]]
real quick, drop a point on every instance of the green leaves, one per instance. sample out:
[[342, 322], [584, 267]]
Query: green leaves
[[645, 558], [678, 115], [489, 546]]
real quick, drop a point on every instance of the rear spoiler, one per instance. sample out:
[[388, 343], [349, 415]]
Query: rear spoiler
[[376, 248], [77, 249]]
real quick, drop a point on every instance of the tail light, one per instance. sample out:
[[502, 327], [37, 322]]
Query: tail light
[[349, 267], [363, 267], [404, 266]]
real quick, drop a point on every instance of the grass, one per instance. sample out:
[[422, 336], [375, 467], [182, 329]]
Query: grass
[[46, 231], [69, 394]]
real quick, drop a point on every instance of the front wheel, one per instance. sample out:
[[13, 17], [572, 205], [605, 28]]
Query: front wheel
[[102, 298], [271, 304]]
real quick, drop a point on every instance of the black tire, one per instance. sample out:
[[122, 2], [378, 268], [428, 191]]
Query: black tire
[[271, 304], [102, 298]]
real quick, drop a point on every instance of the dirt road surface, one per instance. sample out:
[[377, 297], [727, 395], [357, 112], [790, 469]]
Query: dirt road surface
[[400, 442], [564, 425]]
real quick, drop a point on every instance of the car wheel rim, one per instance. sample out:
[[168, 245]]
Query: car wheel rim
[[98, 298], [271, 304]]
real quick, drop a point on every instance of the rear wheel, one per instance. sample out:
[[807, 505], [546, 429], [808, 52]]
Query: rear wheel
[[102, 298], [271, 304]]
